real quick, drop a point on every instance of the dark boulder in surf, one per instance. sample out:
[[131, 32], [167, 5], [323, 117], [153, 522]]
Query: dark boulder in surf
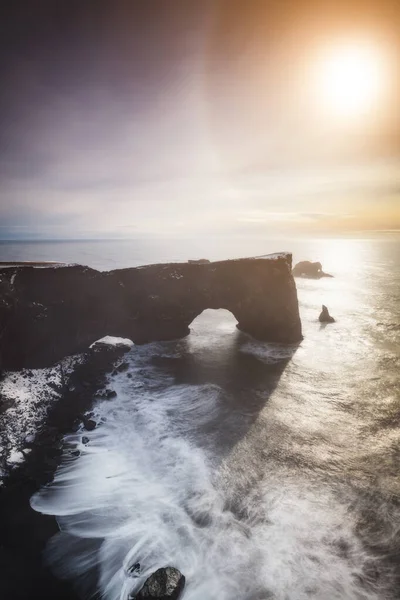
[[49, 313], [165, 584], [89, 424], [325, 317], [310, 270]]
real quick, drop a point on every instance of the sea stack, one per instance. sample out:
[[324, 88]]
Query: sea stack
[[325, 317], [309, 270], [165, 584]]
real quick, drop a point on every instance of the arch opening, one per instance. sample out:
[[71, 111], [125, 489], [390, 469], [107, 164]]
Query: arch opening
[[214, 329]]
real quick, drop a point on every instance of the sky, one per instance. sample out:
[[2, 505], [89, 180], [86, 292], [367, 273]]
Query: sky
[[172, 117]]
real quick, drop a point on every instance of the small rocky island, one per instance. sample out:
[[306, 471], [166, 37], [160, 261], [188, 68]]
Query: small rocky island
[[49, 313], [325, 317], [309, 270]]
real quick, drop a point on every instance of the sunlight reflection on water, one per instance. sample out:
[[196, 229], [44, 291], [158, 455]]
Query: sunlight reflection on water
[[260, 474]]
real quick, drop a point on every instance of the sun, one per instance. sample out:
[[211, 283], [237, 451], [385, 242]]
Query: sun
[[350, 80]]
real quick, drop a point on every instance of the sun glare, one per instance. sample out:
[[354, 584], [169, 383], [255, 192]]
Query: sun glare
[[350, 80]]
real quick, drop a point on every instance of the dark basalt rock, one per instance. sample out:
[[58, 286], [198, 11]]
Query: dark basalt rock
[[165, 584], [134, 570], [311, 270], [325, 317], [49, 313], [122, 367], [5, 404], [89, 424], [23, 531], [107, 394]]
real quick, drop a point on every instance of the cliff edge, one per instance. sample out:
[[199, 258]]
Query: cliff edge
[[49, 313]]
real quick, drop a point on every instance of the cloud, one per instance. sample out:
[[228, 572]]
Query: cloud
[[197, 203], [258, 216]]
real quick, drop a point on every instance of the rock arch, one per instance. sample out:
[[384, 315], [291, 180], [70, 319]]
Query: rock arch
[[46, 314]]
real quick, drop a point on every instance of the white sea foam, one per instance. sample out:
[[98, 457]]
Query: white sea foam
[[268, 353], [153, 486], [257, 525]]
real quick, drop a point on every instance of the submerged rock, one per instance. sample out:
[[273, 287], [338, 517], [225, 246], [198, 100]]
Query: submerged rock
[[325, 317], [311, 270], [165, 584], [134, 570]]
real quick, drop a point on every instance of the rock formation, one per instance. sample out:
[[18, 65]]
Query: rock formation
[[49, 313], [311, 270], [164, 584], [23, 531], [325, 317]]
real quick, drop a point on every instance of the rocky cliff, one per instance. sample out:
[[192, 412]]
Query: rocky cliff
[[48, 313]]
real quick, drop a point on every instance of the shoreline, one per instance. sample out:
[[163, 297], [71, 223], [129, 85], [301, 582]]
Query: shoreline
[[23, 531]]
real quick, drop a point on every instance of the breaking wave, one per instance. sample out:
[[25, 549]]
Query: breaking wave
[[194, 467]]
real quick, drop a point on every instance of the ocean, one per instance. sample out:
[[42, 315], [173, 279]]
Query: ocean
[[259, 471]]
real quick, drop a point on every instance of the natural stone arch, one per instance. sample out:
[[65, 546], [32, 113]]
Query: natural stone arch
[[217, 319], [46, 314]]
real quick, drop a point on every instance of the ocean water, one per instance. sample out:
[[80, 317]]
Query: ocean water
[[260, 471]]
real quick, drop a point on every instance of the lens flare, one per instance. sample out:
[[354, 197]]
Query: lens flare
[[350, 80]]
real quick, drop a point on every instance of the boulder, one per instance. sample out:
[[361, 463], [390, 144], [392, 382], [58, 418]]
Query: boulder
[[325, 317], [310, 270], [89, 424], [165, 584]]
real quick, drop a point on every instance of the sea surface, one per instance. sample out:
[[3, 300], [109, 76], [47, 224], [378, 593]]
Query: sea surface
[[260, 471]]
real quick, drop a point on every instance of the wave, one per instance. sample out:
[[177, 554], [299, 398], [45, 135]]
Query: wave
[[269, 353], [161, 482]]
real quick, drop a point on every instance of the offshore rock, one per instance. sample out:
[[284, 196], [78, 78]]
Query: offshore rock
[[325, 317], [49, 313], [310, 270], [165, 584]]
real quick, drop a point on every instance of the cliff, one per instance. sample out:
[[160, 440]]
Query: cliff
[[48, 313]]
